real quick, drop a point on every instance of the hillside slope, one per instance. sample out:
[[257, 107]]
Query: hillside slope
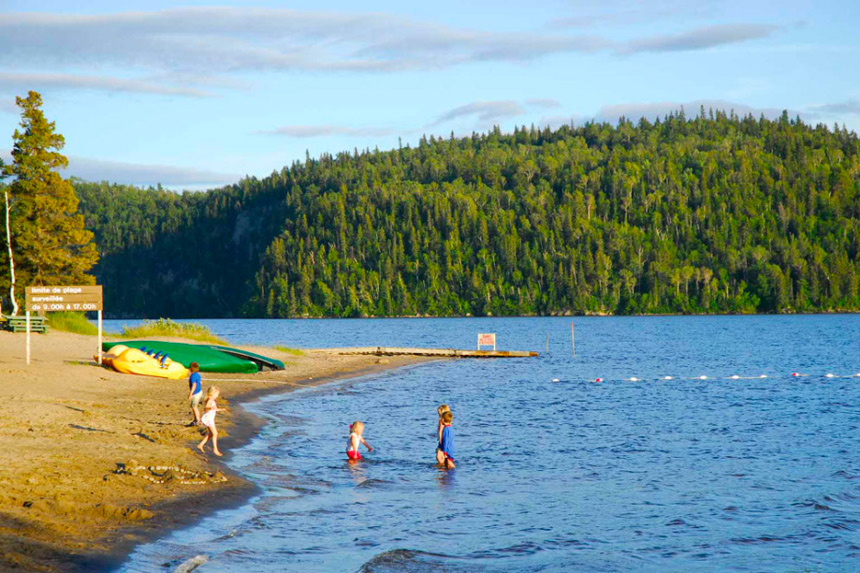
[[711, 214]]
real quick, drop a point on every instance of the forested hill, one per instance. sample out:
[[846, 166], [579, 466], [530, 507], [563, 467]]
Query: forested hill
[[712, 214]]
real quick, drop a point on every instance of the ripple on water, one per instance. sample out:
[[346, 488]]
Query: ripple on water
[[414, 561]]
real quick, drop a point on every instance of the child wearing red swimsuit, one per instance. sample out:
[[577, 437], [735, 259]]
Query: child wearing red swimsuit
[[356, 430]]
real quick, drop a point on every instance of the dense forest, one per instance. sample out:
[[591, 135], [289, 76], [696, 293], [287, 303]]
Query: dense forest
[[685, 215]]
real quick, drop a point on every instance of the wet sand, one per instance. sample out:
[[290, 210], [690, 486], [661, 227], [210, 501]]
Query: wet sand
[[93, 462]]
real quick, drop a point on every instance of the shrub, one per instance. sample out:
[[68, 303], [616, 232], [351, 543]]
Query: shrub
[[168, 327]]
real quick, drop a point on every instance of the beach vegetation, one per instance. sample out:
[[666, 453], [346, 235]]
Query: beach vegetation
[[291, 351], [75, 322], [166, 327]]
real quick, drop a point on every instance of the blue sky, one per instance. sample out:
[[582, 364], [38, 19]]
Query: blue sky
[[199, 95]]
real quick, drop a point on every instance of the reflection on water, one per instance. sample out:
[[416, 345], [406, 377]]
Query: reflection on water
[[651, 474]]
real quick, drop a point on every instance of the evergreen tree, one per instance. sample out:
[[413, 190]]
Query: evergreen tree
[[50, 242], [708, 214]]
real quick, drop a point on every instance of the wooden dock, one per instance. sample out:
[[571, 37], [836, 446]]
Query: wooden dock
[[441, 352]]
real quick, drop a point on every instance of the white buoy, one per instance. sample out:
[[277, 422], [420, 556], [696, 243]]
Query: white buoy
[[763, 376], [829, 375], [556, 380], [667, 378], [633, 379], [703, 377], [735, 377], [598, 379]]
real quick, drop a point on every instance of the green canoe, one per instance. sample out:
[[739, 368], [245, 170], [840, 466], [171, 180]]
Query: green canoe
[[210, 360], [262, 362]]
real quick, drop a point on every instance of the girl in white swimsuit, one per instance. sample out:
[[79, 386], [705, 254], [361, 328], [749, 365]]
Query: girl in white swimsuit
[[208, 419]]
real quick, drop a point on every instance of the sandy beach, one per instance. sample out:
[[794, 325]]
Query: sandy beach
[[93, 462]]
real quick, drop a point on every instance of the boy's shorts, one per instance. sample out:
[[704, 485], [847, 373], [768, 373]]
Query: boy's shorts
[[196, 399]]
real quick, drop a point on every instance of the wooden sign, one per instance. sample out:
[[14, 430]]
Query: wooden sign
[[63, 298]]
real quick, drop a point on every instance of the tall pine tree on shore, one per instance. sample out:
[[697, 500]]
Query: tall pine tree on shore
[[49, 242]]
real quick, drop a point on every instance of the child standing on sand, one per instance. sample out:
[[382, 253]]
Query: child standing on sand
[[208, 419], [446, 444], [195, 392], [356, 429], [440, 410]]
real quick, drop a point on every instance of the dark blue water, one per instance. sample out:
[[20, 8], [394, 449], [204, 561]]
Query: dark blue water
[[556, 472]]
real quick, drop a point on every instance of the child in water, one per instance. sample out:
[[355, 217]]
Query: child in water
[[210, 408], [446, 443], [440, 458], [356, 429]]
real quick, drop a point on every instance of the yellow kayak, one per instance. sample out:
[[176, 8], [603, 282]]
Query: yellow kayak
[[114, 352], [134, 361]]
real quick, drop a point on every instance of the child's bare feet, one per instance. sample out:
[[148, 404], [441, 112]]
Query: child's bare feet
[[217, 453], [200, 447]]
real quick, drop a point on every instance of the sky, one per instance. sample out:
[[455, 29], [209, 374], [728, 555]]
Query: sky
[[200, 94]]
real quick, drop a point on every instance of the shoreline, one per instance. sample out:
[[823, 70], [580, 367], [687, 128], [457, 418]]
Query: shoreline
[[246, 426], [64, 507], [559, 314]]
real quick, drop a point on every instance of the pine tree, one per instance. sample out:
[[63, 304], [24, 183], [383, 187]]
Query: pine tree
[[49, 240]]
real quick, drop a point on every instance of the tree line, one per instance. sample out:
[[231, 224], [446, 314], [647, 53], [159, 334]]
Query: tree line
[[708, 214]]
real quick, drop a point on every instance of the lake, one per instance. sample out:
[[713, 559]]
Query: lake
[[699, 450]]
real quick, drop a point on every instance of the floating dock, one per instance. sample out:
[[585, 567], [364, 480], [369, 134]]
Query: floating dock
[[446, 352]]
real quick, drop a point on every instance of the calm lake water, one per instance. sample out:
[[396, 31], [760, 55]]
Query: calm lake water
[[749, 469]]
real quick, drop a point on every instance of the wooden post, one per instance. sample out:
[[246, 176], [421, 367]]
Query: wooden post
[[572, 340], [100, 338], [27, 320]]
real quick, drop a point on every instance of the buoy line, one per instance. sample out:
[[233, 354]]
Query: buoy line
[[704, 377]]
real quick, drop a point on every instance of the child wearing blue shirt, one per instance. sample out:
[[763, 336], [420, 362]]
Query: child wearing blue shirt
[[446, 444], [195, 392]]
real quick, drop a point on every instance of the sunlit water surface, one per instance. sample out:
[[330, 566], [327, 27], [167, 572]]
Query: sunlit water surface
[[556, 472]]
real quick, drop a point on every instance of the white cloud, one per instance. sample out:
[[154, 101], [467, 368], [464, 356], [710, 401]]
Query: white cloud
[[845, 107], [486, 112], [483, 114], [97, 170], [543, 103], [227, 39], [22, 82], [699, 39], [175, 51], [141, 174]]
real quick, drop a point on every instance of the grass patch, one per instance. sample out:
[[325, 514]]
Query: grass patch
[[75, 322], [167, 327], [293, 351]]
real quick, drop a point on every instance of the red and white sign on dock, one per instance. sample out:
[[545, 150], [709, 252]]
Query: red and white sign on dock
[[486, 339]]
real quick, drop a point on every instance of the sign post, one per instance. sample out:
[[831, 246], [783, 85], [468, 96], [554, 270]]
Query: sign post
[[64, 298], [486, 339]]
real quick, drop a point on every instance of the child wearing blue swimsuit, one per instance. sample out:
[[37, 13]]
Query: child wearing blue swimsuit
[[446, 443]]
